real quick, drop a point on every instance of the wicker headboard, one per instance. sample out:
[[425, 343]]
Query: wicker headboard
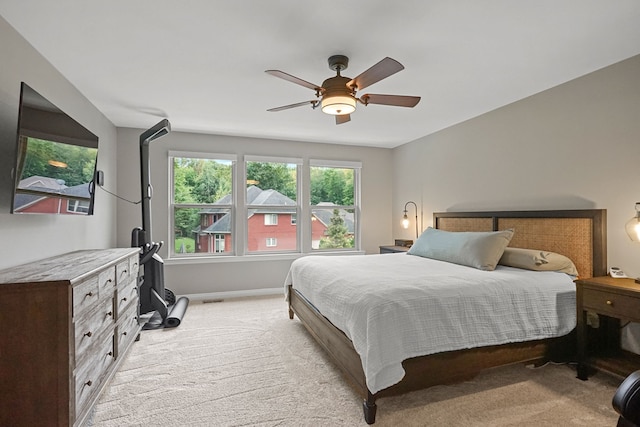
[[580, 235]]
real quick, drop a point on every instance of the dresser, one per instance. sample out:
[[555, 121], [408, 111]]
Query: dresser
[[66, 324]]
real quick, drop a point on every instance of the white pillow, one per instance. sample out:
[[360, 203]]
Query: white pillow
[[478, 249]]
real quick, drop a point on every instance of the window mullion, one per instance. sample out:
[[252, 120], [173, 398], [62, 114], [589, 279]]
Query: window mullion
[[241, 211], [304, 197]]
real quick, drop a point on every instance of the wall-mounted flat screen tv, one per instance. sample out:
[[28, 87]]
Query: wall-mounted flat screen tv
[[55, 160]]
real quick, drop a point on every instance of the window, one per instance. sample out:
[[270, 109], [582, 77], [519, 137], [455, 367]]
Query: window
[[221, 207], [272, 192], [218, 243], [80, 206], [334, 205], [202, 203]]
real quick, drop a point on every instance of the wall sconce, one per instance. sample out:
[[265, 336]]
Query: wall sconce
[[405, 218], [633, 229], [633, 225]]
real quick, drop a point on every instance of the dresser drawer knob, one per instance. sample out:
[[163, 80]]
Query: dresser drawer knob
[[88, 383], [609, 302], [110, 353], [88, 334], [89, 294], [110, 314], [124, 299], [124, 333]]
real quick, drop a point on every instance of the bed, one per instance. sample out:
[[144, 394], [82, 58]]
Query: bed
[[577, 234]]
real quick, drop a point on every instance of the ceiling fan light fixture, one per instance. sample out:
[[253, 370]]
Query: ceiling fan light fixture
[[338, 105]]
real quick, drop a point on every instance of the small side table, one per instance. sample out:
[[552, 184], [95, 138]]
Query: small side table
[[393, 249], [614, 300]]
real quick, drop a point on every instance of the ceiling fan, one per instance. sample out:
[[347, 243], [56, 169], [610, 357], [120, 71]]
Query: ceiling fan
[[337, 95]]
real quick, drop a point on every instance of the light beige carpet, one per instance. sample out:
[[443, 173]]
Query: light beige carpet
[[244, 363]]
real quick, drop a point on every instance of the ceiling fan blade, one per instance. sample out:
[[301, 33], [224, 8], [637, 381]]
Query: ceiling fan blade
[[394, 100], [299, 104], [293, 79], [343, 118], [379, 71]]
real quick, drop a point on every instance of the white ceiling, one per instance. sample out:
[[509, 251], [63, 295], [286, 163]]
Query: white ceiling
[[201, 63]]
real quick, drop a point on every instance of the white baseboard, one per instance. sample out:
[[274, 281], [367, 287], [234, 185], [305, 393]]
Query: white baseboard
[[217, 296]]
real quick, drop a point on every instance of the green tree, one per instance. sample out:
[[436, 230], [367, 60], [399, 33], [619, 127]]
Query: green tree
[[211, 182], [73, 164], [337, 234], [273, 176], [197, 181], [185, 220], [332, 185]]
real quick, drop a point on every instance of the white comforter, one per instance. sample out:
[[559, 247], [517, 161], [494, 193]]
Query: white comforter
[[397, 306]]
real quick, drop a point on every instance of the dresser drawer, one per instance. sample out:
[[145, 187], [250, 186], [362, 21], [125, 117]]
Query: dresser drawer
[[90, 373], [127, 329], [85, 295], [126, 295], [134, 265], [107, 281], [622, 306], [123, 271], [91, 327]]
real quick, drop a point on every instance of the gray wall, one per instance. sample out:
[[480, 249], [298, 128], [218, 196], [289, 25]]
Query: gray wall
[[247, 273], [24, 238], [574, 146]]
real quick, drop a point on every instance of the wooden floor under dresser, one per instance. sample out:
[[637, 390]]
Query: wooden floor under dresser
[[66, 323]]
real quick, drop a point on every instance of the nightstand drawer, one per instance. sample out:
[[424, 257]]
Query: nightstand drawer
[[620, 306]]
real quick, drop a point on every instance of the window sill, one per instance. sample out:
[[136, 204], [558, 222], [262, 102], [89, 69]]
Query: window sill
[[252, 257]]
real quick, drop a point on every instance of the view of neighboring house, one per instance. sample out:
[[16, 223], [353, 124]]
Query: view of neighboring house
[[38, 194], [269, 229]]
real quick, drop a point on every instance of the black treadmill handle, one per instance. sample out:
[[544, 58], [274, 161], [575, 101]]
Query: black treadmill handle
[[150, 251]]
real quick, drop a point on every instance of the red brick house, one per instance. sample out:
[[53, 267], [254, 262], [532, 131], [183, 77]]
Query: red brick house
[[48, 195], [268, 229]]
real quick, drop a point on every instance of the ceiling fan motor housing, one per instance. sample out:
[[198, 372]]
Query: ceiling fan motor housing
[[337, 97]]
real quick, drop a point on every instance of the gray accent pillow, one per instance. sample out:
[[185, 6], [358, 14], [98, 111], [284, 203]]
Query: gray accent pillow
[[534, 259], [478, 249]]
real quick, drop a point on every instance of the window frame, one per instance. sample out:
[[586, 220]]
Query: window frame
[[274, 209], [77, 206], [173, 205], [239, 209], [357, 172], [273, 240], [271, 217]]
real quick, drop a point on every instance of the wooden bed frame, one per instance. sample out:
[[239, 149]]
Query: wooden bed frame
[[578, 234]]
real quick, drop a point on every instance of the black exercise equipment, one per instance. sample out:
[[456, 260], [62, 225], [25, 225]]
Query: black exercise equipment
[[167, 312], [626, 401]]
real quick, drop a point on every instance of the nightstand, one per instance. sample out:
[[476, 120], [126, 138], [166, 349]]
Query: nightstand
[[613, 300], [393, 249]]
